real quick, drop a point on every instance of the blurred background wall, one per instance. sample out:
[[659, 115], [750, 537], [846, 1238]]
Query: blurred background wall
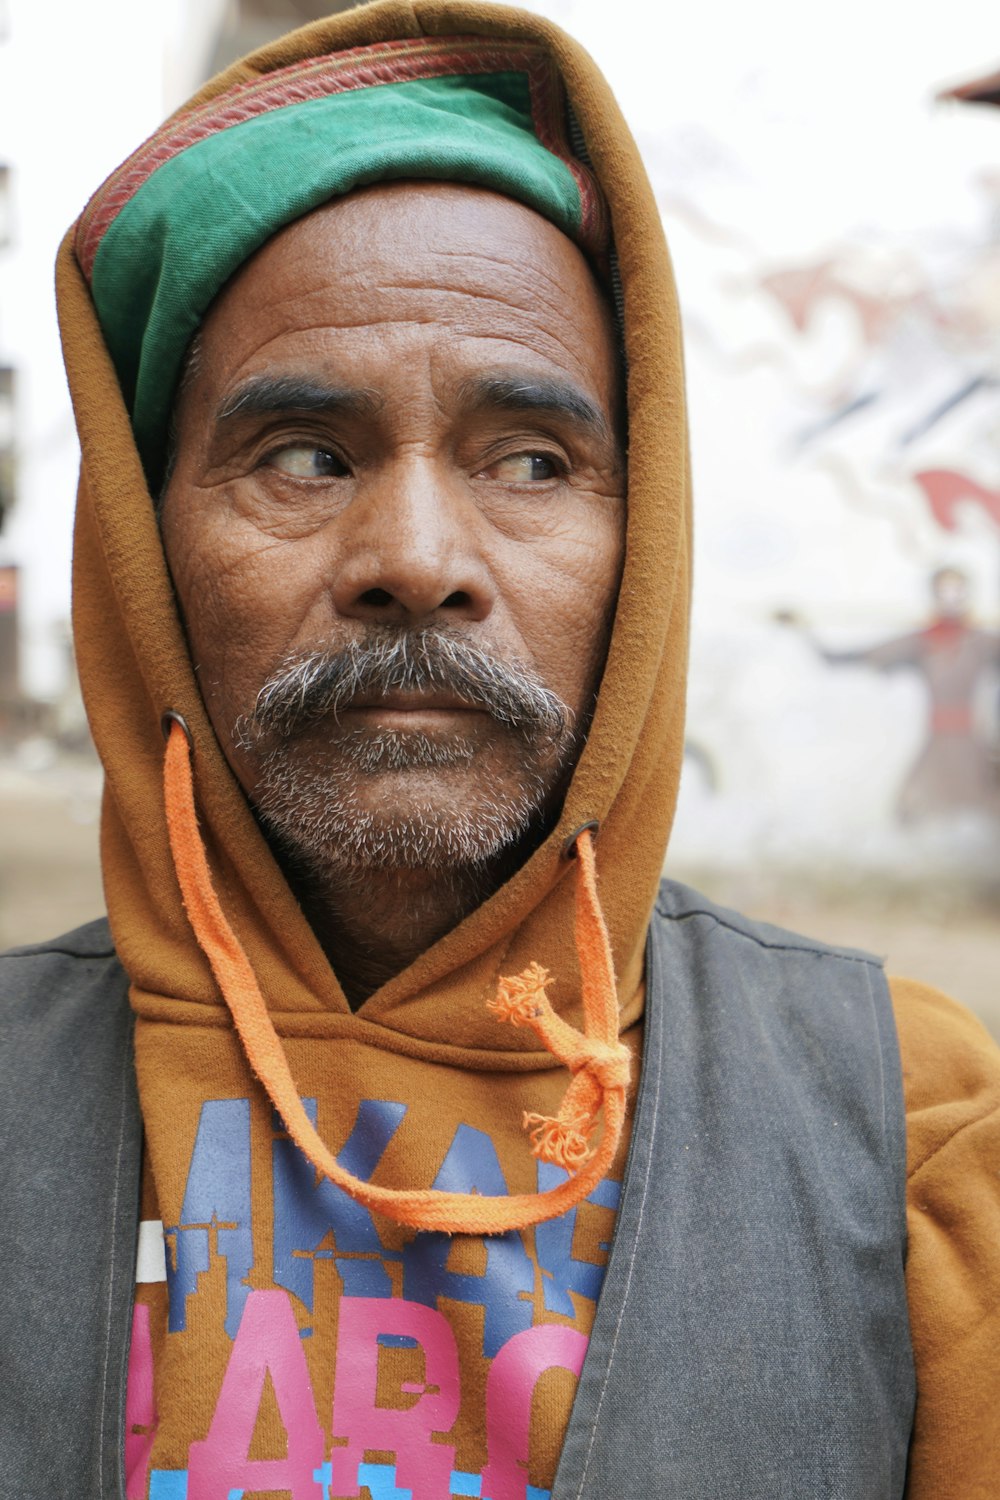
[[834, 215]]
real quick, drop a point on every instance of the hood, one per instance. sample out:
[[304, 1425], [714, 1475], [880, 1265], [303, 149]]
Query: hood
[[135, 667]]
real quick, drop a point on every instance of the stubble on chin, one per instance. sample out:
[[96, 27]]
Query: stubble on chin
[[390, 801]]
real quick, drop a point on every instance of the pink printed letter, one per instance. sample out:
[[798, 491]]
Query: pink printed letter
[[140, 1408], [267, 1342], [509, 1389], [421, 1465]]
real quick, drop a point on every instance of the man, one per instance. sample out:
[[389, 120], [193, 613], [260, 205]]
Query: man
[[955, 771], [355, 530]]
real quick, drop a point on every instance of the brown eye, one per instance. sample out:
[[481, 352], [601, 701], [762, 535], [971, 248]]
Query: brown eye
[[304, 461], [524, 468]]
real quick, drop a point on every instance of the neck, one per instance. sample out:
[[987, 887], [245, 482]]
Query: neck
[[372, 924]]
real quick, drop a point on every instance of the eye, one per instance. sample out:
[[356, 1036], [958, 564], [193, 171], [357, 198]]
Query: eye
[[524, 468], [306, 461]]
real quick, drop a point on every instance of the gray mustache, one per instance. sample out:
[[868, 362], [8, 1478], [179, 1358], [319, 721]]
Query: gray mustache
[[387, 659]]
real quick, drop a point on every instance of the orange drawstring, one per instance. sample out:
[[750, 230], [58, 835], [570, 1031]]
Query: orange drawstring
[[598, 1061]]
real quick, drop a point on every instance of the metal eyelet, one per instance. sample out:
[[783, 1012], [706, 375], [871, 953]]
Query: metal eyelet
[[172, 717], [569, 844]]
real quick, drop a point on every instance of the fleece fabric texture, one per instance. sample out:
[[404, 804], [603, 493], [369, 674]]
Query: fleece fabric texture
[[421, 1087]]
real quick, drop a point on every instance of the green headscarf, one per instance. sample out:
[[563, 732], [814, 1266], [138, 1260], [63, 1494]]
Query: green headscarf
[[168, 229]]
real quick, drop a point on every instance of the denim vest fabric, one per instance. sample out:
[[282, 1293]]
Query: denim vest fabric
[[751, 1340], [69, 1212]]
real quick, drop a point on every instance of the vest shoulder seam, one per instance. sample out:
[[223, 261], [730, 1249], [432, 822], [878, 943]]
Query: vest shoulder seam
[[43, 950], [747, 927]]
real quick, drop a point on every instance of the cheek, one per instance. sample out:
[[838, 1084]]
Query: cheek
[[242, 596], [563, 598]]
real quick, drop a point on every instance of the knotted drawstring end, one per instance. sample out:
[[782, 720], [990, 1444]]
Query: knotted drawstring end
[[563, 1143], [597, 1059], [521, 998]]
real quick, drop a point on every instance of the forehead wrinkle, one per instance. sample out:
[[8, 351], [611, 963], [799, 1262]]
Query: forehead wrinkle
[[559, 289], [432, 291], [489, 274], [534, 308], [515, 290]]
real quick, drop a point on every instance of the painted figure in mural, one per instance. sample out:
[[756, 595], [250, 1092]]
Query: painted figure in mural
[[400, 1134], [958, 769]]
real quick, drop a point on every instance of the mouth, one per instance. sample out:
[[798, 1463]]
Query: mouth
[[401, 709]]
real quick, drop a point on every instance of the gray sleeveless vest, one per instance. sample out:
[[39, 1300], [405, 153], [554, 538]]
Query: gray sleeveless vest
[[751, 1340]]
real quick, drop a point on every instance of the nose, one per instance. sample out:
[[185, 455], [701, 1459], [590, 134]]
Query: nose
[[412, 546]]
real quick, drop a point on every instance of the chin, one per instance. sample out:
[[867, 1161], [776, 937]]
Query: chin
[[333, 820]]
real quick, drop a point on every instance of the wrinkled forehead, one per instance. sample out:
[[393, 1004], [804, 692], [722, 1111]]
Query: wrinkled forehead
[[170, 228], [371, 291], [428, 253]]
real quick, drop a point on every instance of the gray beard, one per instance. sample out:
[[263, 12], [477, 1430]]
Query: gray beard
[[308, 796], [310, 808]]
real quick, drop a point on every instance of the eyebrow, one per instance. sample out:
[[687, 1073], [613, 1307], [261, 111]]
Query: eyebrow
[[263, 395], [544, 394]]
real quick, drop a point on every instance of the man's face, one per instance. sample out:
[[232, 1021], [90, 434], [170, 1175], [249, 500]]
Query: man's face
[[950, 588], [395, 524]]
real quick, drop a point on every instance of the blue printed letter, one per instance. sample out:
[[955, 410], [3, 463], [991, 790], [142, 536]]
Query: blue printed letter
[[307, 1214], [215, 1214], [505, 1290]]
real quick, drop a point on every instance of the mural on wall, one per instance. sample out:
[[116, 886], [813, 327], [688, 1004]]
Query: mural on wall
[[876, 358], [958, 766]]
